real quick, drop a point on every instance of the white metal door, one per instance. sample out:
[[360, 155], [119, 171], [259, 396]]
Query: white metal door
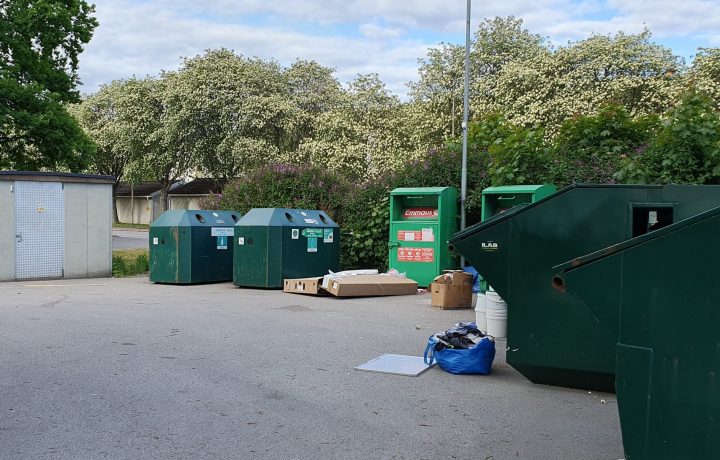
[[39, 230]]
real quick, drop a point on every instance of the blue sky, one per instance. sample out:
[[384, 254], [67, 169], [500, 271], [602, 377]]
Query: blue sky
[[143, 37]]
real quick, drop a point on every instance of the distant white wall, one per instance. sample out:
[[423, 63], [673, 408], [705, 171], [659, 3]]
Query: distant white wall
[[185, 202], [88, 230], [7, 231], [142, 209]]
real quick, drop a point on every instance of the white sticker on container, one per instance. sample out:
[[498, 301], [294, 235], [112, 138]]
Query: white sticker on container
[[241, 240], [155, 241], [295, 234], [311, 221], [409, 236], [427, 234], [222, 231]]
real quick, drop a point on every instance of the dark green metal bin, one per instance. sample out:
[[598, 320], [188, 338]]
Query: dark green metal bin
[[188, 247], [274, 244], [668, 353], [553, 338]]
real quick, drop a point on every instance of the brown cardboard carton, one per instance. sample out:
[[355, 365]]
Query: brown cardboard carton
[[304, 286], [371, 285], [451, 296]]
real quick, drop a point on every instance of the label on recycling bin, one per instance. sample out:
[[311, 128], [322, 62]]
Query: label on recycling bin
[[328, 235], [221, 231], [222, 242], [420, 213], [415, 254], [312, 232], [312, 244]]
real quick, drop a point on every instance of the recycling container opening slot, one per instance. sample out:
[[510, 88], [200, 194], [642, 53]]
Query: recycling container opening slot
[[289, 217], [558, 283], [234, 217], [646, 218], [200, 218], [323, 219]]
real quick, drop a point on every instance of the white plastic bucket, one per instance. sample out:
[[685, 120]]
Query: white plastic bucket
[[480, 306], [496, 315]]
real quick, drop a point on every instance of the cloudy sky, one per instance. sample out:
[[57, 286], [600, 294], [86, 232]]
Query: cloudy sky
[[142, 37]]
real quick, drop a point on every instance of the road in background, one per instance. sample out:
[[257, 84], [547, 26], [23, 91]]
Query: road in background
[[129, 239]]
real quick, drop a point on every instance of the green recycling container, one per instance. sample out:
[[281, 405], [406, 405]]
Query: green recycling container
[[274, 244], [421, 221], [552, 338], [188, 247], [496, 200], [666, 292]]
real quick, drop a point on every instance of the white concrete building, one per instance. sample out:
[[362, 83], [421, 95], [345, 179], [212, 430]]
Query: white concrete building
[[55, 225]]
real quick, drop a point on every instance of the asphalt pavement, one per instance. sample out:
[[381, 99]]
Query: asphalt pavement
[[122, 368], [129, 239]]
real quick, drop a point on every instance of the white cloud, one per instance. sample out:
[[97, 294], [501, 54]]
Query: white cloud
[[142, 37]]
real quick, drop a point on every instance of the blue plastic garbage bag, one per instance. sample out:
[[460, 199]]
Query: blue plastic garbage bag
[[477, 359]]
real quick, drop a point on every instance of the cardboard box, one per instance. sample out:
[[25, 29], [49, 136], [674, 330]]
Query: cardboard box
[[371, 285], [457, 277], [304, 286], [452, 290]]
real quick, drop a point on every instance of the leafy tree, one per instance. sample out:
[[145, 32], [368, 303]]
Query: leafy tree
[[102, 117], [150, 134], [592, 148], [229, 112], [365, 136], [687, 148], [551, 87], [40, 42], [705, 73]]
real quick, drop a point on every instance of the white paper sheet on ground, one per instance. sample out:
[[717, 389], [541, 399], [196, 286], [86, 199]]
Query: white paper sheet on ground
[[396, 364]]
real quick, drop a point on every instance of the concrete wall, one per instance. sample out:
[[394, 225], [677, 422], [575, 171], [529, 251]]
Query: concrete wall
[[185, 202], [88, 230], [7, 231], [142, 210]]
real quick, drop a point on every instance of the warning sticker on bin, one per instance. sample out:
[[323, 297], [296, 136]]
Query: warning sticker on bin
[[415, 254]]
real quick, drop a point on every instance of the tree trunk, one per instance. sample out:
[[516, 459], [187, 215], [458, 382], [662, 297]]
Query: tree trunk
[[116, 219], [164, 196]]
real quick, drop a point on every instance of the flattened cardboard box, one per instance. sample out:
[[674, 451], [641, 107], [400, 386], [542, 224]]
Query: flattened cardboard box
[[304, 286], [371, 285]]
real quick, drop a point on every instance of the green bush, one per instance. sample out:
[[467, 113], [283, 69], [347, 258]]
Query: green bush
[[286, 186], [686, 149], [119, 268], [591, 149]]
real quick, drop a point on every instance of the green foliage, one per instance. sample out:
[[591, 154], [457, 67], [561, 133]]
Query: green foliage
[[592, 148], [286, 186], [40, 42], [129, 262], [687, 148], [513, 155], [365, 227]]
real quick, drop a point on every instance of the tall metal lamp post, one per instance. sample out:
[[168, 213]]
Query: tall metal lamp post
[[463, 174]]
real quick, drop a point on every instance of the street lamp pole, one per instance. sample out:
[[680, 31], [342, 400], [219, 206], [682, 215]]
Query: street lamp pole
[[463, 177]]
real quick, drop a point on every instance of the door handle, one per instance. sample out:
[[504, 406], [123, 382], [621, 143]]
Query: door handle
[[393, 244], [18, 237]]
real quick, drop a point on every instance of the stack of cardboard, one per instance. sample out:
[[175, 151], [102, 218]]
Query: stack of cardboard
[[452, 290], [352, 285]]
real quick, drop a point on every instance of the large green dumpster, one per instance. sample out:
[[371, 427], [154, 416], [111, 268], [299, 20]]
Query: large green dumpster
[[274, 244], [668, 350], [421, 221], [553, 338], [189, 247]]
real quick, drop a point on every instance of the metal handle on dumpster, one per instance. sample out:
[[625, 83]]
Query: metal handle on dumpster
[[393, 244], [18, 237]]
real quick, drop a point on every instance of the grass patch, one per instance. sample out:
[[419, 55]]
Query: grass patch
[[130, 262], [133, 226]]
